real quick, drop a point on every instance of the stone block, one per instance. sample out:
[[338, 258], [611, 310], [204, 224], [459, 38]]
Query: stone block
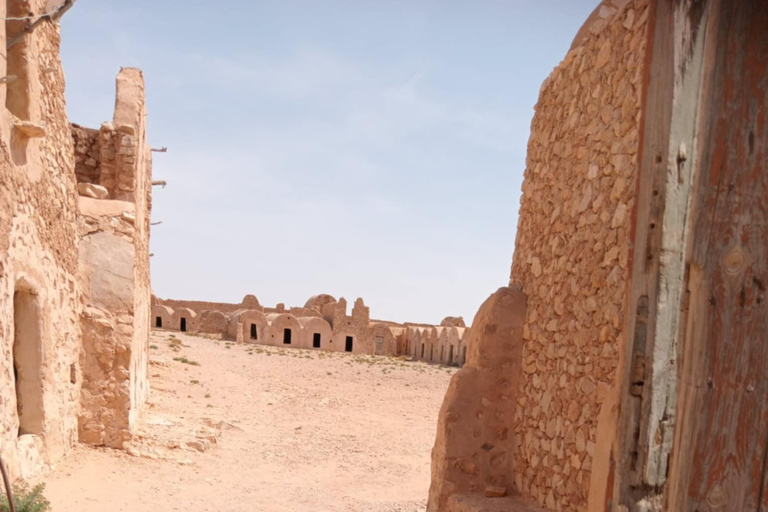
[[92, 190]]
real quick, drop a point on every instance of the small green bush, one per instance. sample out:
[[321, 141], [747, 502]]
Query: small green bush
[[26, 499]]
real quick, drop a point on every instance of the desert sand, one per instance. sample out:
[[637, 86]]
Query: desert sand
[[240, 427]]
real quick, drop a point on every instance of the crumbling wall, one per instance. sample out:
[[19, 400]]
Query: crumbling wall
[[571, 255], [87, 154], [135, 185], [357, 326], [384, 341], [475, 449], [114, 270], [200, 306], [453, 321], [213, 322], [107, 257], [38, 244]]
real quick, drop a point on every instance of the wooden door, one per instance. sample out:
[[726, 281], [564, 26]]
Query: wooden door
[[720, 452]]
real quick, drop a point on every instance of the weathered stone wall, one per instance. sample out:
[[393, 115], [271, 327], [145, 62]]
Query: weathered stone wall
[[107, 257], [444, 345], [212, 322], [374, 337], [114, 271], [135, 185], [87, 154], [38, 246], [198, 306], [571, 253], [474, 448], [164, 313]]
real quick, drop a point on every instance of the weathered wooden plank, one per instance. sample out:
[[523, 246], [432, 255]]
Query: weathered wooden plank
[[720, 447], [661, 230], [645, 238]]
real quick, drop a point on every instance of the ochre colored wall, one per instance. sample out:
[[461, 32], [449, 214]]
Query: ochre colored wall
[[571, 254], [38, 250]]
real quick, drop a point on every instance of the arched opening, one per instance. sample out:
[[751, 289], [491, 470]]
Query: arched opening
[[316, 340], [286, 336], [158, 322], [27, 362], [348, 344], [183, 325], [450, 355], [422, 351], [254, 332]]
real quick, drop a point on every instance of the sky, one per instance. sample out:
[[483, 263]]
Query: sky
[[364, 148]]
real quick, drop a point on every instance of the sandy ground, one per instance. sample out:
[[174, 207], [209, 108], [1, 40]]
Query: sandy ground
[[254, 428]]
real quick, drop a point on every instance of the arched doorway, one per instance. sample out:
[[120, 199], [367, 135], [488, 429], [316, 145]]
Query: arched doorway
[[27, 361]]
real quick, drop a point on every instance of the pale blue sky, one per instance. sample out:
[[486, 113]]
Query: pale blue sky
[[362, 148]]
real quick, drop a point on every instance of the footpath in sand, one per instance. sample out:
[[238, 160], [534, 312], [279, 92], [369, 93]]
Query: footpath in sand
[[236, 427]]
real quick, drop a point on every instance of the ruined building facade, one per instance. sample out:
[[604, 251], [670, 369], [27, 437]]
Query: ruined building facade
[[322, 324], [74, 262], [623, 368]]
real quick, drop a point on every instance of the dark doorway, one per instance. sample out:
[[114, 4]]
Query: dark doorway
[[158, 321], [442, 353], [27, 362], [183, 325], [287, 336], [422, 351], [254, 332], [316, 340], [450, 355], [348, 344]]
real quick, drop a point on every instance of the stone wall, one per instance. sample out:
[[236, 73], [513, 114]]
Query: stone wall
[[38, 251], [114, 271], [87, 154], [329, 316], [107, 257], [198, 306], [475, 449], [571, 254], [570, 264], [441, 344]]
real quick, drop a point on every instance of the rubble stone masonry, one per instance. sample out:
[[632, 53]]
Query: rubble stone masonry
[[571, 255], [570, 269], [39, 296]]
